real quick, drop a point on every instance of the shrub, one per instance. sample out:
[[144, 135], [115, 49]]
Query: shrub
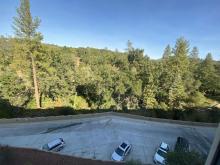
[[184, 158], [133, 162], [5, 109]]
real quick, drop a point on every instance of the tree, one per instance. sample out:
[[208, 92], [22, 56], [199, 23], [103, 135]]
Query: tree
[[98, 78], [165, 75], [184, 158], [149, 94], [194, 61], [167, 52], [129, 46], [25, 28], [208, 76], [194, 53], [177, 93], [181, 61]]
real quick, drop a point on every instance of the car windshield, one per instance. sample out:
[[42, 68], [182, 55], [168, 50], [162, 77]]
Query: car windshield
[[165, 149], [119, 151], [123, 145], [161, 153]]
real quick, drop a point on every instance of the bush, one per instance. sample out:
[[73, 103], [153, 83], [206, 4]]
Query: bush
[[184, 158], [178, 114], [133, 162], [213, 115], [79, 102], [5, 109], [198, 99]]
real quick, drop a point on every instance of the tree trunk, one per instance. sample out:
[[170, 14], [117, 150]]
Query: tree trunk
[[36, 91]]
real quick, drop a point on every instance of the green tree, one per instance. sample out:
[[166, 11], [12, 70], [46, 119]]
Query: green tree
[[149, 94], [177, 94], [167, 52], [25, 28], [181, 61], [208, 76], [181, 67], [194, 61], [184, 158]]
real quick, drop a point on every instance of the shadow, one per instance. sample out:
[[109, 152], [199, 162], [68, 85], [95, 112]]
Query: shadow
[[6, 109], [214, 97], [193, 114]]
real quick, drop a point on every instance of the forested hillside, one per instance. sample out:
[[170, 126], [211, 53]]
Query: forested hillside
[[37, 75], [85, 78]]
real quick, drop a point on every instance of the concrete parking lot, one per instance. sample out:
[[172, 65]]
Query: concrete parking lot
[[97, 137]]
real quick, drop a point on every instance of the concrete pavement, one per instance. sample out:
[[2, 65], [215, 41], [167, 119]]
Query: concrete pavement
[[97, 137]]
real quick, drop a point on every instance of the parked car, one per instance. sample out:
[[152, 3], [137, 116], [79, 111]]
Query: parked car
[[160, 155], [121, 151], [182, 145], [55, 145]]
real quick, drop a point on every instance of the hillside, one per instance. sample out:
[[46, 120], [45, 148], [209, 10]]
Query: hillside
[[89, 78]]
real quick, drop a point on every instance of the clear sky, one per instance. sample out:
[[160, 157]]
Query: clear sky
[[149, 24]]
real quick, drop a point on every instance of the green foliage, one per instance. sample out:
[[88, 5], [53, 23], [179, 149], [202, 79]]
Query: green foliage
[[184, 158], [24, 25], [16, 93], [25, 28], [177, 94], [39, 75], [167, 52], [208, 76], [133, 162], [198, 99], [90, 78], [149, 94], [79, 102]]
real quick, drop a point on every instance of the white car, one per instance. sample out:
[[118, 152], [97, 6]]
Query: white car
[[120, 152], [160, 155], [55, 145]]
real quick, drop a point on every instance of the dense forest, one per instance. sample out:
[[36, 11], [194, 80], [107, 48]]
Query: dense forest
[[85, 78], [37, 75]]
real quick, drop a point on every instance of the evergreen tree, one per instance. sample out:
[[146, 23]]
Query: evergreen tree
[[194, 53], [208, 76], [177, 94], [99, 78], [194, 61], [25, 28], [181, 61], [167, 52], [149, 94]]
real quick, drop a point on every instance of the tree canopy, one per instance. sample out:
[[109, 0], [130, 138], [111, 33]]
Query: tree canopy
[[99, 78], [33, 74]]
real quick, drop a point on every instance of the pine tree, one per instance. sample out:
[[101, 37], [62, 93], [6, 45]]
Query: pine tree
[[149, 94], [181, 61], [194, 53], [167, 52], [25, 28], [207, 75], [194, 60], [177, 93]]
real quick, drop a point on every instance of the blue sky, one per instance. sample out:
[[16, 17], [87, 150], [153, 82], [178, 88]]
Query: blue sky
[[149, 24]]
